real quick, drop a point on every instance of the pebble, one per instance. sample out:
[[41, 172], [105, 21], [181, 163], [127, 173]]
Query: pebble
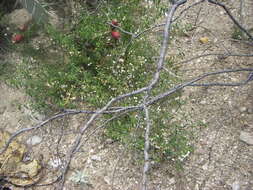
[[246, 137], [236, 186], [243, 109], [96, 158], [34, 140], [203, 102], [109, 141], [172, 181], [107, 180], [250, 110], [19, 17], [205, 166]]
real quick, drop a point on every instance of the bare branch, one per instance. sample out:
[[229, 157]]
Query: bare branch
[[187, 8], [231, 17], [156, 77], [219, 55], [146, 148], [190, 83]]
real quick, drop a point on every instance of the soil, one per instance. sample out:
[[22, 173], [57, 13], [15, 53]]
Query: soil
[[220, 161]]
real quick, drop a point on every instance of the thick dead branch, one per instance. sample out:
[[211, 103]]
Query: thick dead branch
[[156, 77]]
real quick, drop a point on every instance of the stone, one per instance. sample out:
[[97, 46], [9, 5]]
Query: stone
[[203, 102], [235, 186], [243, 109], [19, 17], [109, 141], [205, 166], [204, 40], [250, 110], [107, 180], [34, 140], [172, 181], [96, 158], [246, 137]]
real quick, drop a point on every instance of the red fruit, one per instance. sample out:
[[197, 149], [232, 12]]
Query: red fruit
[[16, 38], [115, 35], [115, 23]]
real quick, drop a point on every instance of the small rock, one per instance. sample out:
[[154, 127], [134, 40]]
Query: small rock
[[172, 181], [243, 109], [204, 40], [205, 166], [250, 110], [235, 186], [109, 141], [34, 140], [107, 180], [96, 158], [203, 102], [20, 17], [246, 137]]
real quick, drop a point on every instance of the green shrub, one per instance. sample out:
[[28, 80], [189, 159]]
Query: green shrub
[[168, 140], [94, 68]]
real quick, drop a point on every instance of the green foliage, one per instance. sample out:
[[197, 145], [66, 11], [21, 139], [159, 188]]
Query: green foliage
[[237, 33], [4, 68], [94, 67], [169, 140]]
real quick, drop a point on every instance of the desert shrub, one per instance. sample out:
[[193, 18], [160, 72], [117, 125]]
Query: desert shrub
[[94, 67]]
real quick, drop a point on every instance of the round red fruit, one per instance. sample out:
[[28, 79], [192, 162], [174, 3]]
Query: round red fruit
[[17, 38], [115, 35]]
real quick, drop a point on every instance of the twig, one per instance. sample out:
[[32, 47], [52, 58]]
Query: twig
[[61, 115], [187, 8], [78, 139], [216, 54], [43, 123], [231, 17], [122, 30], [190, 83], [152, 84]]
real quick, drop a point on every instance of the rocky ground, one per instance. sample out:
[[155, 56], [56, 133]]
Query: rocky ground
[[222, 116]]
